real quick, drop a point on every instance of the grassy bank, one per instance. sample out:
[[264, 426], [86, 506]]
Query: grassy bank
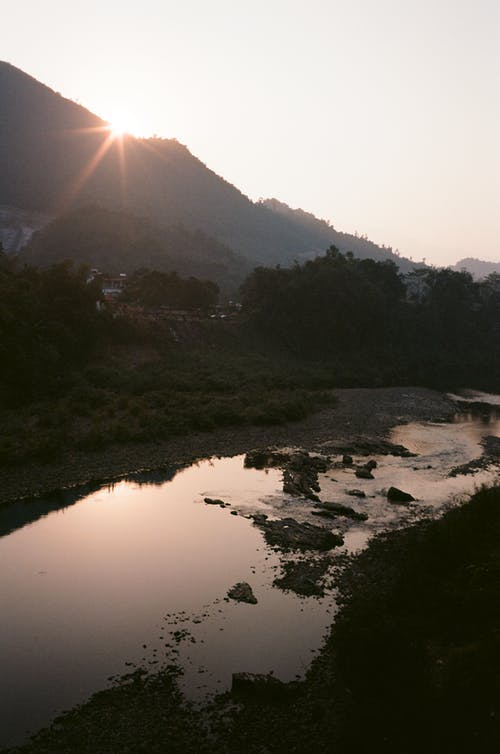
[[412, 664], [151, 392]]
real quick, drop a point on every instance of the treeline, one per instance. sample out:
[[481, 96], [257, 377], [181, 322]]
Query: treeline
[[49, 323], [154, 289], [434, 326], [79, 377], [53, 322], [76, 377]]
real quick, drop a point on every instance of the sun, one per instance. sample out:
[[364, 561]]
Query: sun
[[118, 129]]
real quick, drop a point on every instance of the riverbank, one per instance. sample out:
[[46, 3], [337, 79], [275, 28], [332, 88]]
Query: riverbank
[[359, 416], [412, 664]]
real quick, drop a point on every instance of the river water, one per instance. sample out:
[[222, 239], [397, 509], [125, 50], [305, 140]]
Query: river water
[[136, 574]]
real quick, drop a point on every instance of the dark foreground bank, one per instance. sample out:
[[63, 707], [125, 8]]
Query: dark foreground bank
[[412, 664]]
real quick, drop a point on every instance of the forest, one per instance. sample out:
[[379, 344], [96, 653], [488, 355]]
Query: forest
[[373, 326]]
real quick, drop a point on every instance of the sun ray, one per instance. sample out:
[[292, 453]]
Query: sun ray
[[88, 170], [123, 173]]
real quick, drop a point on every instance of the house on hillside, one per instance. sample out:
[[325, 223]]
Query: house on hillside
[[110, 286]]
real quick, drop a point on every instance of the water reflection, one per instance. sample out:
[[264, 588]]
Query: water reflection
[[15, 515], [109, 579], [104, 577]]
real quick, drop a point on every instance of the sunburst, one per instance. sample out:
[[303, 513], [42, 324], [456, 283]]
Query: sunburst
[[118, 130]]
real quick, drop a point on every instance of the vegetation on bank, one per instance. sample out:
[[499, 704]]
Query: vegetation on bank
[[155, 289], [412, 664], [74, 376], [417, 643], [435, 327]]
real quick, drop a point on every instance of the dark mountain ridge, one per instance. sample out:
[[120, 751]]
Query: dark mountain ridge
[[56, 155]]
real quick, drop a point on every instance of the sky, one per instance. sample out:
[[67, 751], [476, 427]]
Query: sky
[[381, 116]]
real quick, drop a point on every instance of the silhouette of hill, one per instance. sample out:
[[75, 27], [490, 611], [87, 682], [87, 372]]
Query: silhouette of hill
[[56, 155], [116, 241], [478, 268], [326, 235]]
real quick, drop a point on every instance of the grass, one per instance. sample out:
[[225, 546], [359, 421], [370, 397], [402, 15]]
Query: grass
[[175, 391]]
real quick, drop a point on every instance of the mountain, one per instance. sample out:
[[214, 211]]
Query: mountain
[[477, 267], [326, 235], [116, 241], [56, 155]]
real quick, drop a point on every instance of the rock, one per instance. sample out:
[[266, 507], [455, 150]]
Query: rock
[[234, 513], [257, 685], [304, 577], [259, 518], [261, 458], [300, 461], [337, 509], [347, 460], [242, 592], [214, 501], [363, 446], [371, 464], [300, 470], [395, 495], [364, 473], [324, 514], [356, 493], [289, 534], [300, 485]]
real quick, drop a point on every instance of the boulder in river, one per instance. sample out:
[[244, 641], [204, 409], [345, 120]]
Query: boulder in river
[[261, 458], [215, 501], [331, 510], [300, 469], [300, 484], [242, 592], [395, 495], [364, 473], [289, 534]]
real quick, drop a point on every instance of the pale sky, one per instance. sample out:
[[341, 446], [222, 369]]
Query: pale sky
[[382, 116]]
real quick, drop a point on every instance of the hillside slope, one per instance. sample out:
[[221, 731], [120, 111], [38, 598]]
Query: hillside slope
[[326, 235], [55, 155], [117, 241]]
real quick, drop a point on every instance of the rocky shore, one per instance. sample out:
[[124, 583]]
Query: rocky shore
[[359, 422]]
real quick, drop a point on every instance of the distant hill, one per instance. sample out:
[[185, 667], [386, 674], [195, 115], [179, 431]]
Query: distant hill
[[326, 235], [56, 155], [477, 267], [116, 241]]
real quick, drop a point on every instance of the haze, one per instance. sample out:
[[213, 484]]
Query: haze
[[381, 116]]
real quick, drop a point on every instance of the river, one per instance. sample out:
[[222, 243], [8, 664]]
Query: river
[[136, 574]]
